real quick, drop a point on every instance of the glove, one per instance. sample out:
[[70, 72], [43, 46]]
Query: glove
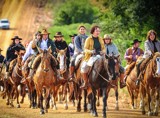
[[93, 51]]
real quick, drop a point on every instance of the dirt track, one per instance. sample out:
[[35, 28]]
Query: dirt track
[[25, 16], [24, 112]]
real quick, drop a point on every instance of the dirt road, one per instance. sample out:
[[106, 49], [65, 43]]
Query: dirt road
[[25, 16], [24, 112]]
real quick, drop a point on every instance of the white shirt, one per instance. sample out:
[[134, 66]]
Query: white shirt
[[43, 45], [29, 51]]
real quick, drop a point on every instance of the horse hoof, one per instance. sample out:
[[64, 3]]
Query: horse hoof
[[18, 105], [21, 102], [150, 114], [117, 108], [42, 112], [54, 108], [7, 103], [155, 114], [78, 110], [143, 112], [94, 114], [11, 105], [66, 107], [46, 110], [85, 110], [89, 106]]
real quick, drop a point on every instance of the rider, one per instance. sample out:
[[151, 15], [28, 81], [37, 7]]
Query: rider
[[29, 50], [11, 55], [93, 45], [61, 45], [71, 45], [79, 41], [111, 49], [132, 55], [44, 44], [2, 59], [151, 45]]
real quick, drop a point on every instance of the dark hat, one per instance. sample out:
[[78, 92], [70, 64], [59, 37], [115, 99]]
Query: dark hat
[[16, 37], [1, 50], [58, 34], [38, 33], [44, 31], [73, 35], [136, 41]]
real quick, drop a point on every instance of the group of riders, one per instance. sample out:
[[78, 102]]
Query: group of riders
[[82, 47]]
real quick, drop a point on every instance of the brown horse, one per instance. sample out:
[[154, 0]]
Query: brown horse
[[131, 83], [29, 82], [61, 58], [16, 78], [150, 85], [45, 78]]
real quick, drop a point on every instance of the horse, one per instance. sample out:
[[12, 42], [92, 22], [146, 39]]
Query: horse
[[114, 61], [75, 93], [29, 82], [16, 78], [61, 58], [133, 90], [150, 85], [99, 77], [45, 78]]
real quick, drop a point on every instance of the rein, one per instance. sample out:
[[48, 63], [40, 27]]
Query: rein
[[105, 78], [17, 72]]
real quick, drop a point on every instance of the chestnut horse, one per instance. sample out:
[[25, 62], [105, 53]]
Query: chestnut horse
[[150, 85], [16, 78], [45, 78], [133, 90]]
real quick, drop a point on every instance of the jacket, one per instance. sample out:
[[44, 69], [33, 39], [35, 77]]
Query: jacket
[[10, 55], [89, 46], [49, 43], [148, 45]]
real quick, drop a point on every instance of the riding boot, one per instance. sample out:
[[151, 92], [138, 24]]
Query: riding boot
[[122, 82], [85, 79], [71, 70]]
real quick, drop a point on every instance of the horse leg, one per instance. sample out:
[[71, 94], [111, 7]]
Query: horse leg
[[104, 103], [94, 104], [79, 101], [116, 94], [149, 103], [85, 103], [142, 95], [135, 99], [17, 96], [157, 102], [131, 96], [47, 98], [65, 98], [107, 94], [98, 95], [23, 93]]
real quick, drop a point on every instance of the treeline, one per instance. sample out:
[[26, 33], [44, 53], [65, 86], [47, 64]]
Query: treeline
[[124, 20]]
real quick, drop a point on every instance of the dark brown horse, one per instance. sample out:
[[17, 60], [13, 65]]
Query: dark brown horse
[[150, 85], [29, 82], [99, 79], [45, 78]]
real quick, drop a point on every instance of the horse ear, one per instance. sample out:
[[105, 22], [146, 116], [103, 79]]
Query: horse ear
[[49, 49], [39, 50], [65, 49], [16, 52], [57, 50]]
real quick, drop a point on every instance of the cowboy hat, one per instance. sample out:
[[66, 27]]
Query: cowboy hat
[[44, 31], [106, 36], [16, 37], [1, 50], [135, 41], [58, 34], [38, 33], [73, 35]]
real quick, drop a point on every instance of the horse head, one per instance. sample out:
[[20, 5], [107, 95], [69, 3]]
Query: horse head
[[45, 59], [113, 66], [19, 57], [61, 57], [156, 64]]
